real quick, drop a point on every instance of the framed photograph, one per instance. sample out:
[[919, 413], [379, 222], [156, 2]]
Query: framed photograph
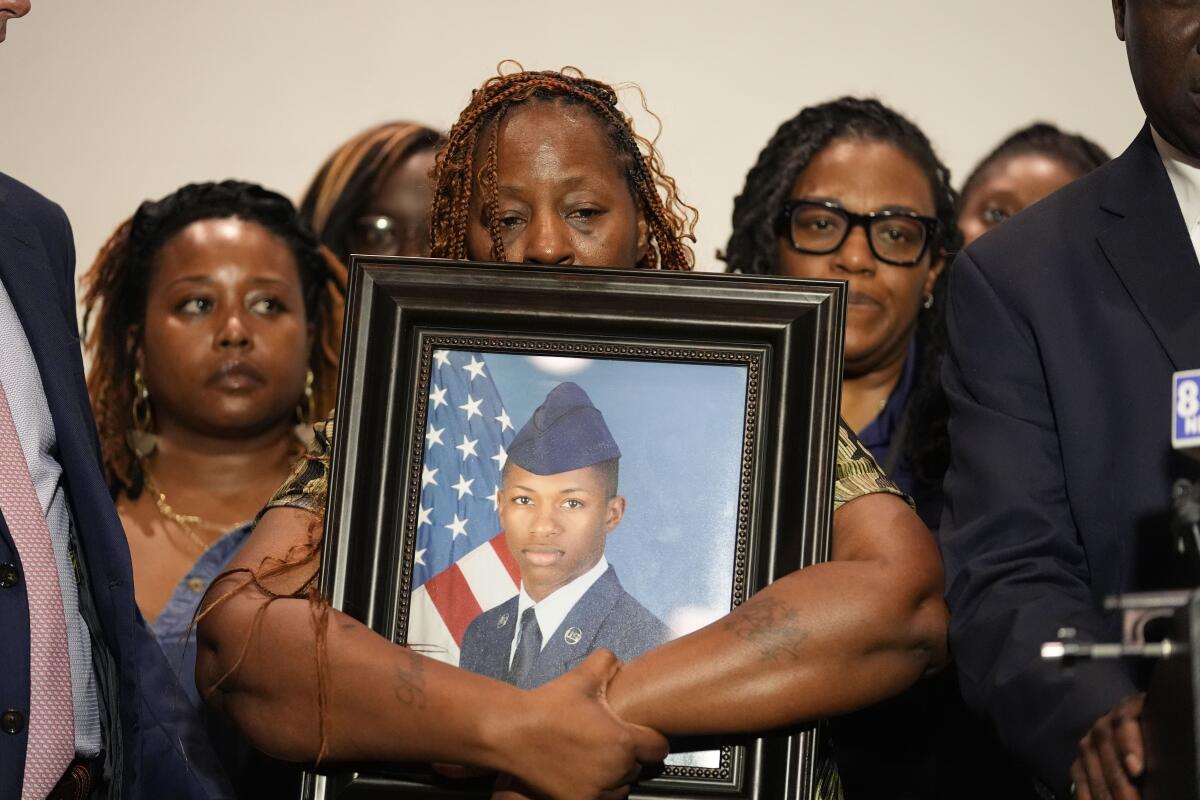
[[636, 452]]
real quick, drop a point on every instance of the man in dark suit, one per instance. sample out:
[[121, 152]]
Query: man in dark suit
[[1065, 325], [88, 705], [558, 504], [132, 727]]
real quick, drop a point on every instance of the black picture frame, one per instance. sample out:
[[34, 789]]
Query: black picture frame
[[787, 332]]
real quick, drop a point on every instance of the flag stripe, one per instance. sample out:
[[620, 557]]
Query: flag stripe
[[487, 575], [426, 630], [506, 557], [455, 601]]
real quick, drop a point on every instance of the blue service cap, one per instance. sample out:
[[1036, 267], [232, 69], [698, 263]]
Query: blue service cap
[[566, 432]]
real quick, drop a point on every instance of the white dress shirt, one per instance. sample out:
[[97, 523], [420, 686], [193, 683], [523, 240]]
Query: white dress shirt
[[554, 607], [1184, 172], [35, 428]]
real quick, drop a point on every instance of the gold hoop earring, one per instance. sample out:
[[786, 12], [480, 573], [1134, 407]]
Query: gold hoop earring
[[304, 409], [141, 437]]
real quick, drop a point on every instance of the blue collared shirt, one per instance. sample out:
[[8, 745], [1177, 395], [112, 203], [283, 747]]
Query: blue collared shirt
[[878, 434], [884, 434]]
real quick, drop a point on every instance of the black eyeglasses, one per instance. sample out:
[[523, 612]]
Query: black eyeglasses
[[818, 228]]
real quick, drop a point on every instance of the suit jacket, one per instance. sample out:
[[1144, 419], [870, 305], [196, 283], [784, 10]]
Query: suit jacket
[[152, 749], [1065, 325], [605, 617]]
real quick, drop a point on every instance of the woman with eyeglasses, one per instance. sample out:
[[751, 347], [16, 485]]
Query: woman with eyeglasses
[[372, 194], [851, 190]]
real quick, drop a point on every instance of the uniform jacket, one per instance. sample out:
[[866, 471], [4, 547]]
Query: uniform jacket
[[1065, 325], [605, 617], [151, 748]]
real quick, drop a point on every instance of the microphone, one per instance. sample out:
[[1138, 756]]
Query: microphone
[[1146, 615], [1185, 493]]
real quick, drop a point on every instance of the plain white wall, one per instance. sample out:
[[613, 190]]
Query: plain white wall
[[105, 104]]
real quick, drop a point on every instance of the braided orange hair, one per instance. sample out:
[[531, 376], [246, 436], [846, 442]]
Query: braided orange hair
[[670, 221]]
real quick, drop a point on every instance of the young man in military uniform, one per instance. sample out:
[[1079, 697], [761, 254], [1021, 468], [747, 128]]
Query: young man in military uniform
[[558, 505]]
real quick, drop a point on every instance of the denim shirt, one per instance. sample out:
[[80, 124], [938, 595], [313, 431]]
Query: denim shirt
[[174, 627]]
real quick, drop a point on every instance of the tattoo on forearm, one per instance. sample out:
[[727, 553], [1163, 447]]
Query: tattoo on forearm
[[772, 626], [410, 682]]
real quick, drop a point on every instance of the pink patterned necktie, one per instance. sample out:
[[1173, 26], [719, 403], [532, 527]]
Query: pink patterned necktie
[[51, 742]]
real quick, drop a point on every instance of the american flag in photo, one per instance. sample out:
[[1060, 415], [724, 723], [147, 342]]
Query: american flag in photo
[[462, 566]]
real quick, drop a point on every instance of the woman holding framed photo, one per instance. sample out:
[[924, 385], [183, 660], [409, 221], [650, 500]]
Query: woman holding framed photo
[[543, 168]]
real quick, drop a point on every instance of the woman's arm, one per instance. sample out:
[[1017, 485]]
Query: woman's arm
[[388, 703], [817, 643]]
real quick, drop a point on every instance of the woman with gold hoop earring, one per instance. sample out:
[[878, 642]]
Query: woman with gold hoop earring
[[212, 319]]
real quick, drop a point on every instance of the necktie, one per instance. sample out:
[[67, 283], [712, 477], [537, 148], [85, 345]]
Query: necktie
[[529, 644], [51, 742]]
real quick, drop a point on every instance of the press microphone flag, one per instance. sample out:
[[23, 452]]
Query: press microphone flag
[[1185, 412]]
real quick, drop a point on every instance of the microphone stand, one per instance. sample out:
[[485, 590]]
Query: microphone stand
[[1163, 626]]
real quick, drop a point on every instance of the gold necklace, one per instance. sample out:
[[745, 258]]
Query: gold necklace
[[187, 522]]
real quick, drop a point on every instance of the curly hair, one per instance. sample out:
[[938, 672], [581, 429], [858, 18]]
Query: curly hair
[[670, 221], [345, 183], [752, 246], [1077, 153], [115, 296]]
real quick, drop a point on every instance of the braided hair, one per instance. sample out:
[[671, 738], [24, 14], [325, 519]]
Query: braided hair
[[455, 175], [671, 222], [752, 246], [115, 296], [345, 183], [1077, 153]]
